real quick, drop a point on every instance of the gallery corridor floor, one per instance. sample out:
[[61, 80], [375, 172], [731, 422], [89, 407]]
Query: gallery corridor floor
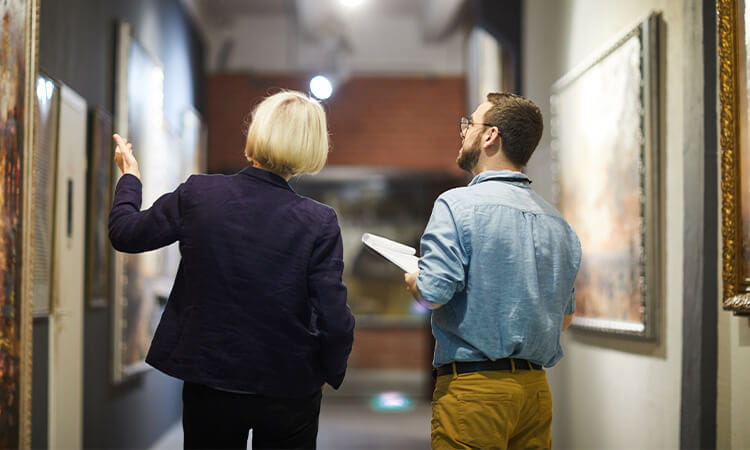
[[356, 424]]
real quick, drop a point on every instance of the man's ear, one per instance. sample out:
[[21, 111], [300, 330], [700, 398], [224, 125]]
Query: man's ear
[[492, 137], [491, 142]]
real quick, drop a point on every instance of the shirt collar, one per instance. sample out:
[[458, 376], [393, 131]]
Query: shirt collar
[[266, 176], [494, 174]]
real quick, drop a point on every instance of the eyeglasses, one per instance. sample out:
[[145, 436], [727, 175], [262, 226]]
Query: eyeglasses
[[466, 122]]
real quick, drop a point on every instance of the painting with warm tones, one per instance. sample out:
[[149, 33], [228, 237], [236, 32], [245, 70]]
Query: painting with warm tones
[[599, 142], [744, 157], [12, 100]]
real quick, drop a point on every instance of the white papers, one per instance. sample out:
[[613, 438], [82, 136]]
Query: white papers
[[397, 253]]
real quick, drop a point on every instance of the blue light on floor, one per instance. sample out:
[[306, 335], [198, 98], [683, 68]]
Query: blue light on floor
[[390, 401]]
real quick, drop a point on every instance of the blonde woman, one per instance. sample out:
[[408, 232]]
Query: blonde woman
[[257, 320]]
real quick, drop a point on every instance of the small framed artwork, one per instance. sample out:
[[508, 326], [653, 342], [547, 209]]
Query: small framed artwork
[[734, 77], [99, 253], [607, 157]]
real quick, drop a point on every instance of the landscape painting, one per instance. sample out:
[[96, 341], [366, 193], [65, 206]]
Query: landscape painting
[[606, 170]]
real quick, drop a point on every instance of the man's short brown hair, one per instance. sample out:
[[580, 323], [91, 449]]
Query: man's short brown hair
[[520, 123]]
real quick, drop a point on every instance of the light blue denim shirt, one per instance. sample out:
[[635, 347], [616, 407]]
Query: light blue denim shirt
[[503, 263]]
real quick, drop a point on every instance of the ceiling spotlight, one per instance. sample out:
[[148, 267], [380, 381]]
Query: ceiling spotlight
[[321, 87], [350, 3]]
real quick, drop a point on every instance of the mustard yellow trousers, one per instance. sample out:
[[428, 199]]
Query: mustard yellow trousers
[[492, 410]]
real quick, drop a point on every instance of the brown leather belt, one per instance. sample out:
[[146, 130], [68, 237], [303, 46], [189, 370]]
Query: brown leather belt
[[479, 366]]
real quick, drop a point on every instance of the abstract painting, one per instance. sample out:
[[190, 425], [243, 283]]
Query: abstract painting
[[18, 43], [605, 149]]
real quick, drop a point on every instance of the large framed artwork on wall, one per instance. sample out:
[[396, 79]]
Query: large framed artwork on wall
[[734, 60], [18, 55], [605, 125], [141, 282]]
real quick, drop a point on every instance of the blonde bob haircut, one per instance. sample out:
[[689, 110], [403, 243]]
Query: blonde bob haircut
[[288, 134]]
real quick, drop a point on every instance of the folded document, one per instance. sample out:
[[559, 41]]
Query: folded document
[[397, 253]]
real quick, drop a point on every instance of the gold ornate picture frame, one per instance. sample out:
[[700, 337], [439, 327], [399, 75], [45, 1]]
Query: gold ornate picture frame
[[735, 154]]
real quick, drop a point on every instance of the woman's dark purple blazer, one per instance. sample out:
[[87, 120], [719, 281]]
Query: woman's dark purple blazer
[[258, 304]]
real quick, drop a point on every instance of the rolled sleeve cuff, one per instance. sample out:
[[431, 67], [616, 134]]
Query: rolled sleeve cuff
[[570, 308], [434, 289]]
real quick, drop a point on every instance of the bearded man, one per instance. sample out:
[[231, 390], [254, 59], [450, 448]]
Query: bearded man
[[498, 268]]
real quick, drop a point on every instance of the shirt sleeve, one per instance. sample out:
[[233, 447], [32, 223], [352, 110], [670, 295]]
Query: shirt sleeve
[[132, 230], [570, 308], [442, 266], [575, 245], [333, 318]]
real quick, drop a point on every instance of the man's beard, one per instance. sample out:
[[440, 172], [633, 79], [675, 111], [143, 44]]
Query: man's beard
[[469, 156]]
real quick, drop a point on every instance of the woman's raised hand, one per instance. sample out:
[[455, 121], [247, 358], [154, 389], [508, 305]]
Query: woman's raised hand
[[124, 156]]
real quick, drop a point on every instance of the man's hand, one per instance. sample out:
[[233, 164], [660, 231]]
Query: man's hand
[[124, 156], [567, 319], [411, 285]]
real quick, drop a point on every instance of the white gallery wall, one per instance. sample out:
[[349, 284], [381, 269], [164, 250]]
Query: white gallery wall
[[612, 392], [609, 392]]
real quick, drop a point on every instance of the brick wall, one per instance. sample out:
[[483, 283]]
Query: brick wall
[[403, 122], [392, 348]]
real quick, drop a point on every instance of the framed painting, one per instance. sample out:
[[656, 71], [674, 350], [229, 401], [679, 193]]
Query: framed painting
[[142, 282], [99, 252], [734, 60], [18, 55], [607, 162], [43, 166]]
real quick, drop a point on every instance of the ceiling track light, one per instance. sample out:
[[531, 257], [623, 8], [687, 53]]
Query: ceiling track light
[[321, 87]]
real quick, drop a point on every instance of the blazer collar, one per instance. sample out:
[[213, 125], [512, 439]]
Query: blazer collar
[[266, 176]]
